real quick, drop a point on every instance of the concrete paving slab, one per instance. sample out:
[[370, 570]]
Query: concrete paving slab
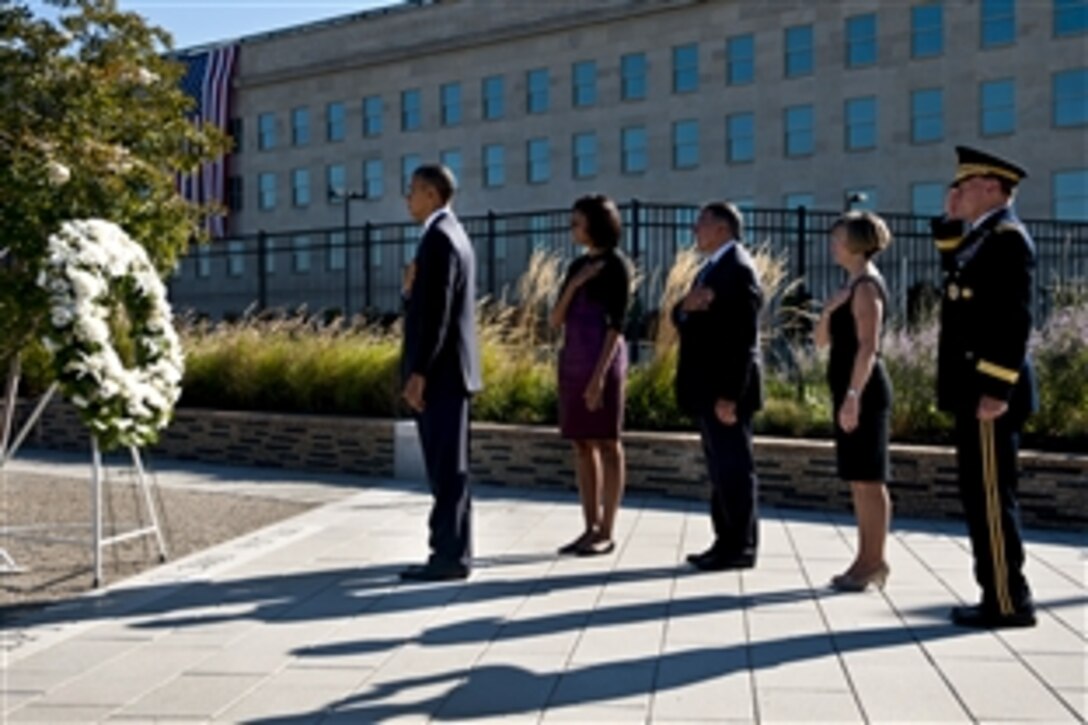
[[306, 621], [793, 705]]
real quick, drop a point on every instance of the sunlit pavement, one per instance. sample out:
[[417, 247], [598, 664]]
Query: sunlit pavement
[[306, 621]]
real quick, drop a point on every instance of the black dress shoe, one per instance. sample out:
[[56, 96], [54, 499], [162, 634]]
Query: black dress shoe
[[980, 617], [723, 563], [711, 553], [432, 572]]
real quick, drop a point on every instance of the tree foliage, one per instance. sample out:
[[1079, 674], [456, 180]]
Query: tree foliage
[[92, 125]]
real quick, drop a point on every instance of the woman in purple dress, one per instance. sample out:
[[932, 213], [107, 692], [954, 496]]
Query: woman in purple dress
[[591, 309]]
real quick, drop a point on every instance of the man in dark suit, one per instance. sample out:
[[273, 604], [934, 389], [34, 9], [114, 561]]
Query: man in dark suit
[[441, 367], [719, 381], [985, 379]]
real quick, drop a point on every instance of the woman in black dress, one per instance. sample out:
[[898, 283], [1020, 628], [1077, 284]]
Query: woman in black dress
[[592, 310], [851, 324]]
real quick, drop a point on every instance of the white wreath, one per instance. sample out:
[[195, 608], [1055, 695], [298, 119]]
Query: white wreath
[[90, 264]]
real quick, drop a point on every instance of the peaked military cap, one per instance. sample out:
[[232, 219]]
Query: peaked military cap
[[972, 162]]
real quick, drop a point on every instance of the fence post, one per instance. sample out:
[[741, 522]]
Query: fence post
[[640, 294], [802, 231], [262, 270], [491, 291], [368, 267], [803, 296]]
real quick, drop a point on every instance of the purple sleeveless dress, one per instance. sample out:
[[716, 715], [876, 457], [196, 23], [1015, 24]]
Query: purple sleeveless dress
[[583, 337]]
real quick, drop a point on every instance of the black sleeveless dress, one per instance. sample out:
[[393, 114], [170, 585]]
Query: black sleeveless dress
[[862, 454]]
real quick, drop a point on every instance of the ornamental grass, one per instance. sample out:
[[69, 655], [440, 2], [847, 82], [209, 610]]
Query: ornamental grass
[[301, 364]]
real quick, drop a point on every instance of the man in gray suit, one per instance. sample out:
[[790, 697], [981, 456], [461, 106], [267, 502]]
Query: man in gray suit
[[441, 368]]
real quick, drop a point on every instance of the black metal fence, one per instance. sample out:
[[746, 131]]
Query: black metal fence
[[359, 269]]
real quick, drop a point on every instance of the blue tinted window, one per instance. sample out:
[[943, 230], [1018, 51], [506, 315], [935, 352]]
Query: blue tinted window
[[536, 82], [266, 191], [633, 77], [685, 144], [997, 107], [800, 139], [927, 115], [633, 150], [685, 68], [1071, 97], [372, 115], [998, 18], [799, 51], [300, 254], [300, 126], [1070, 17], [493, 98], [410, 110], [740, 60], [926, 30], [740, 137], [1071, 195], [861, 40], [408, 164], [335, 182], [861, 123], [584, 151], [538, 155], [494, 165], [584, 83], [266, 131], [927, 198], [300, 187], [450, 96], [374, 178], [335, 122]]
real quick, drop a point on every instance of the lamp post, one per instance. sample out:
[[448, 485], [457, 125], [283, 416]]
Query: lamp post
[[857, 197], [345, 197]]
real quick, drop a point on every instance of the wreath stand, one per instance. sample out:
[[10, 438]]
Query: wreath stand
[[98, 542]]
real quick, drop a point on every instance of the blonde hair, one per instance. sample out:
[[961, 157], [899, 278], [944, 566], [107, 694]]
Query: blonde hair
[[866, 232]]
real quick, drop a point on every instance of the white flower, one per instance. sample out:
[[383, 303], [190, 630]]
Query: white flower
[[61, 316], [84, 257], [87, 286], [57, 173], [93, 330]]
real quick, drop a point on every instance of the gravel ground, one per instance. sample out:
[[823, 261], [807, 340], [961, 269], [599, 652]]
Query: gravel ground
[[191, 520]]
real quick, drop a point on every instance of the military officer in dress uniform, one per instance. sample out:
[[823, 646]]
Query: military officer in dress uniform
[[985, 378]]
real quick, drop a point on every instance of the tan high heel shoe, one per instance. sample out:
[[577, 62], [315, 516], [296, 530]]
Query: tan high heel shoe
[[853, 583]]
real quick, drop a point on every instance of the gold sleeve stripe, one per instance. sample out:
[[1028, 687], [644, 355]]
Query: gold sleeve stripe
[[996, 371], [964, 171], [947, 245]]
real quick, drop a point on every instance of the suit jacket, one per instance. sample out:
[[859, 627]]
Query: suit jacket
[[986, 319], [719, 347], [440, 317]]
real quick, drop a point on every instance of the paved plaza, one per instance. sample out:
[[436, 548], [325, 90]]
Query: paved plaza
[[305, 622]]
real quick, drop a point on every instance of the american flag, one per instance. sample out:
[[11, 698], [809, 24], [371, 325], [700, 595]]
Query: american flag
[[207, 81]]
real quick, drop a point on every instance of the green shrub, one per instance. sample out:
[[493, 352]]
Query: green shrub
[[292, 367], [518, 387], [651, 399], [301, 366], [1060, 353], [910, 355]]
